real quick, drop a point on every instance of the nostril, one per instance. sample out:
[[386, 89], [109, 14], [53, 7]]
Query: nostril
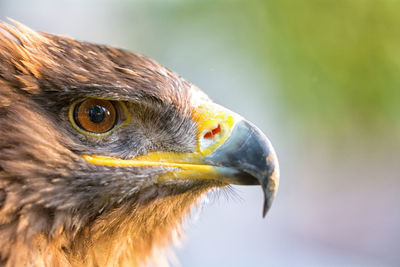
[[215, 131]]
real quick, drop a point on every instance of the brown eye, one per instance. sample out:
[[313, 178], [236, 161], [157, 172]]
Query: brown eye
[[95, 115]]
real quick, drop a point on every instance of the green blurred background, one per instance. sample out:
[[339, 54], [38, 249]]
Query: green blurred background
[[320, 78]]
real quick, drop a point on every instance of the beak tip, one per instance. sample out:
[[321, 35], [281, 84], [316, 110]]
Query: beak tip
[[265, 210], [268, 198], [270, 185]]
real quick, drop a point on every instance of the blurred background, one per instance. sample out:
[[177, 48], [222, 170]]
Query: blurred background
[[320, 78]]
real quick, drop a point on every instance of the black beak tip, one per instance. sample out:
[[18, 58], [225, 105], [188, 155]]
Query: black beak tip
[[270, 182], [268, 198]]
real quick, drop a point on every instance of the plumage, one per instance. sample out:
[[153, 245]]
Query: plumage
[[56, 207]]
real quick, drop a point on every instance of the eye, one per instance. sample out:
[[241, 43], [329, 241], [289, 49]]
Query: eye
[[95, 116]]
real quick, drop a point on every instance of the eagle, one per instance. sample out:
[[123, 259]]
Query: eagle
[[104, 152]]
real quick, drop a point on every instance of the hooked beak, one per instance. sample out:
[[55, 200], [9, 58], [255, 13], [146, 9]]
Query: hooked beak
[[229, 149], [248, 151]]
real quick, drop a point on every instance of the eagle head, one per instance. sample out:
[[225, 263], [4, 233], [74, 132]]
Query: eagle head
[[103, 152]]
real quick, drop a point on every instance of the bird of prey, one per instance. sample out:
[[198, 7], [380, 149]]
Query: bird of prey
[[103, 152]]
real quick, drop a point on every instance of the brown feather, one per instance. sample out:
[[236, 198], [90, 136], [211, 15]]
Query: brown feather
[[57, 210]]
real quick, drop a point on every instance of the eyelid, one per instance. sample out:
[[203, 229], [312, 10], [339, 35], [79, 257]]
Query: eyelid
[[123, 117]]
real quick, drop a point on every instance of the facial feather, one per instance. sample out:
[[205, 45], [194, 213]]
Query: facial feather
[[103, 152], [55, 208]]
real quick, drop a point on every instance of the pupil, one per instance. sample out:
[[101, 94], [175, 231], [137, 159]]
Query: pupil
[[97, 113]]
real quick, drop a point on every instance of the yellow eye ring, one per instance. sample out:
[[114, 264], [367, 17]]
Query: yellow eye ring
[[97, 117]]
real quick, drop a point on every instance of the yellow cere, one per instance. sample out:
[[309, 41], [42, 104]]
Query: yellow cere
[[208, 117], [190, 165]]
